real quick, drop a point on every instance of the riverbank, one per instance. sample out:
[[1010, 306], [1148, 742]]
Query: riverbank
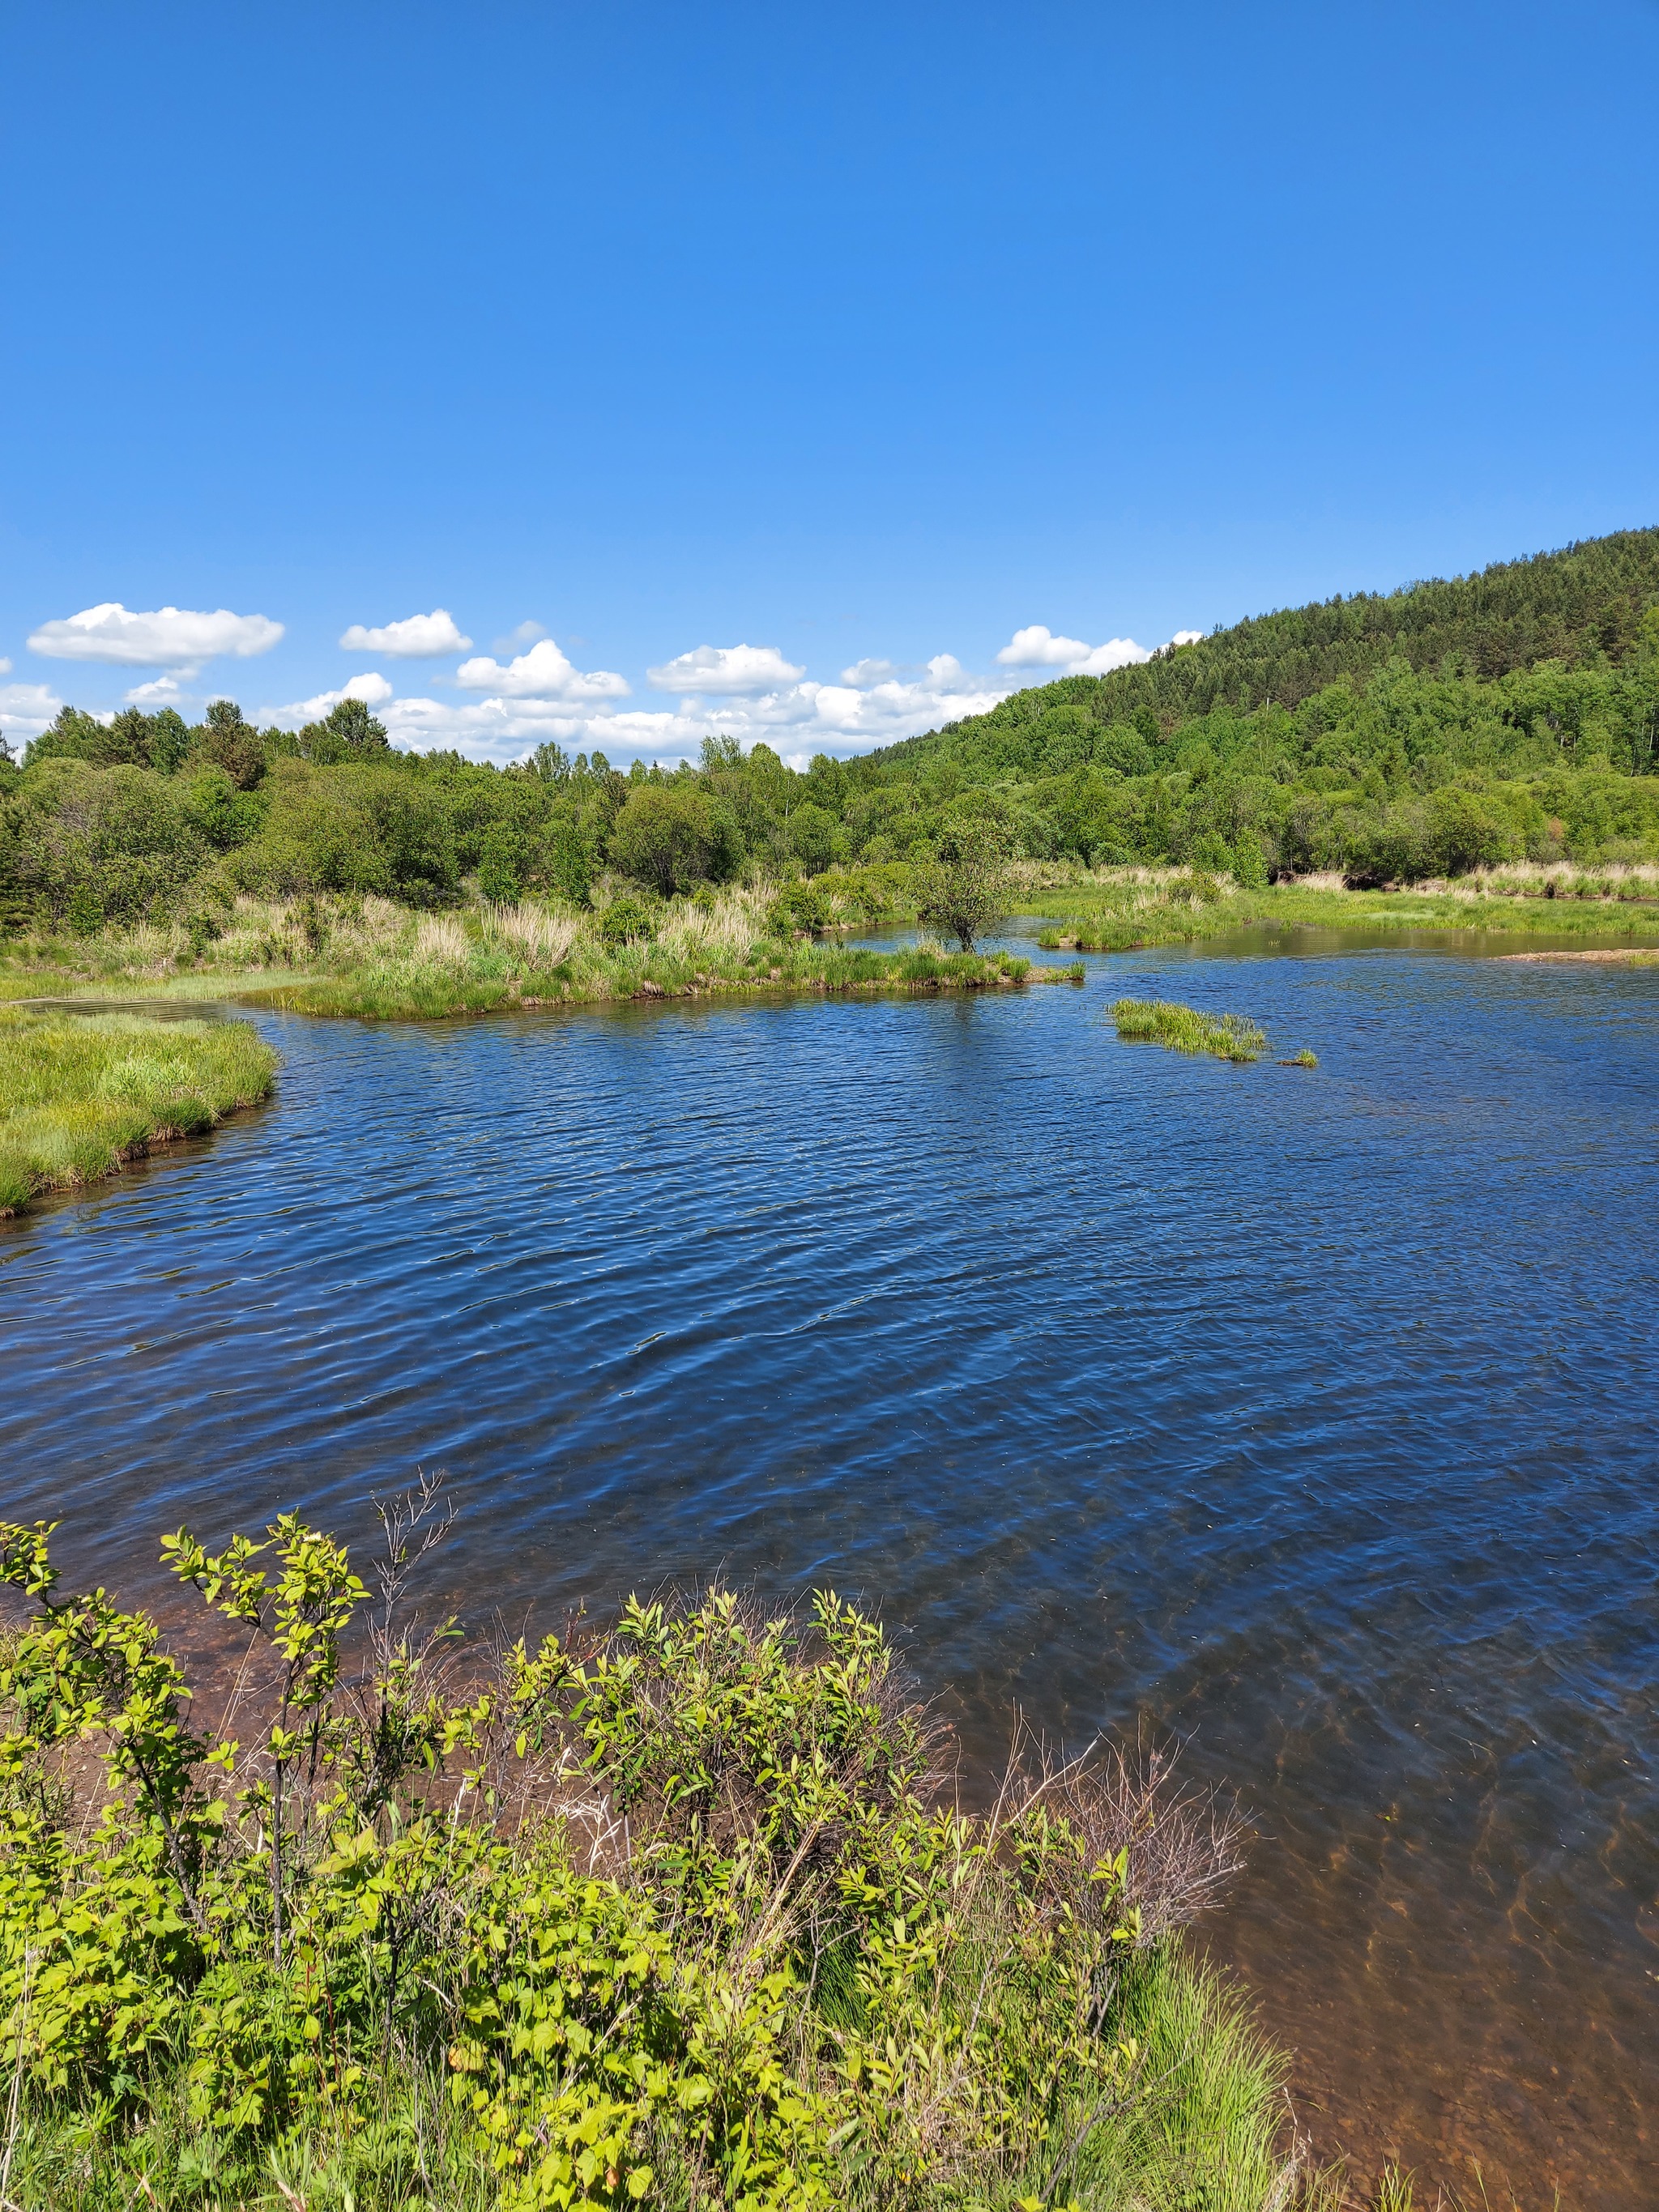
[[1123, 910], [371, 958], [565, 1930], [84, 1094], [377, 961]]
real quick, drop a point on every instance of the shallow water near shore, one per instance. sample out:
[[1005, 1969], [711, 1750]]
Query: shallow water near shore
[[1309, 1414]]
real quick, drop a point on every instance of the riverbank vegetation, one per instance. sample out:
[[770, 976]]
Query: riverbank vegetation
[[685, 1913], [372, 957], [1119, 909], [80, 1095], [1507, 721], [1188, 1028]]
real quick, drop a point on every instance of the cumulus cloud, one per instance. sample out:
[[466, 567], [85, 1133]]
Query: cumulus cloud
[[160, 691], [26, 708], [417, 637], [371, 688], [5, 665], [167, 637], [724, 671], [516, 640], [1038, 647], [796, 720], [1187, 637], [750, 693], [542, 673]]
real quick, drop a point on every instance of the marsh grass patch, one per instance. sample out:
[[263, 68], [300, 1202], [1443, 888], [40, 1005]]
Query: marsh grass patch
[[1188, 1028]]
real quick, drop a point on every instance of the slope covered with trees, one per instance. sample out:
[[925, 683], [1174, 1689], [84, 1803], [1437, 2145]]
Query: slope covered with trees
[[1580, 609]]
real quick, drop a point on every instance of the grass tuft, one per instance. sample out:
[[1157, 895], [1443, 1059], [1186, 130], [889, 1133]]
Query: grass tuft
[[1185, 1029]]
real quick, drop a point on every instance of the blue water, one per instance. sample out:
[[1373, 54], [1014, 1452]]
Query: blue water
[[1309, 1414]]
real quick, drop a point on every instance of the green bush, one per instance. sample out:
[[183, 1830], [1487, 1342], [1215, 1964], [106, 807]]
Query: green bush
[[680, 1913], [358, 827], [671, 837]]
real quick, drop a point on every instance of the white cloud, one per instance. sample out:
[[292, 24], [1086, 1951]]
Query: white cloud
[[542, 673], [1187, 637], [5, 665], [371, 688], [751, 694], [417, 637], [1038, 647], [516, 640], [724, 670], [796, 720], [169, 637], [26, 708], [160, 691]]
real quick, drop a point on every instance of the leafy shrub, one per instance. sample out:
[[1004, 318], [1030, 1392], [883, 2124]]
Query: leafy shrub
[[627, 922], [671, 837], [681, 1912], [356, 828]]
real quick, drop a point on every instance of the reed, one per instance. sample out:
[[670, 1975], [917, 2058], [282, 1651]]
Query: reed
[[84, 1094]]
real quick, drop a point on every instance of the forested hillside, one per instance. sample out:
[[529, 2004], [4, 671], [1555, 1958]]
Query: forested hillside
[[1581, 608], [1511, 715]]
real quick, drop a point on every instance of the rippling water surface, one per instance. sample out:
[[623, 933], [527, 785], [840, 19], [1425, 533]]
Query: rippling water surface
[[1311, 1415]]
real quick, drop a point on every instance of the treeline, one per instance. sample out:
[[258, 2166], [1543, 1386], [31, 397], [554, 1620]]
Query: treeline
[[1420, 756]]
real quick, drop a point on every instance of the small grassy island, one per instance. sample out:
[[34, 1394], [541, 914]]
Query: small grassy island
[[83, 1093], [1186, 1029], [685, 1913]]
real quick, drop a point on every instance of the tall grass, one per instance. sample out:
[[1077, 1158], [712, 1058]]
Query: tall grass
[[1186, 1029], [80, 1094], [371, 958]]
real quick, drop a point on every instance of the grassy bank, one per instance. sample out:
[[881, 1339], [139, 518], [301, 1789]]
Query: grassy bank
[[1122, 909], [373, 959], [681, 1914], [83, 1093]]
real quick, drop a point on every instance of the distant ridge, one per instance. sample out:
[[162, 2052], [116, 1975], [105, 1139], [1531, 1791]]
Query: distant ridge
[[1581, 606]]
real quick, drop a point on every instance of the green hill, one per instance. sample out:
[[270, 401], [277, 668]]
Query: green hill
[[1581, 608]]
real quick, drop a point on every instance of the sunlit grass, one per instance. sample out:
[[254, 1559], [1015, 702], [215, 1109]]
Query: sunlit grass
[[1135, 907], [80, 1094], [1186, 1029], [370, 958]]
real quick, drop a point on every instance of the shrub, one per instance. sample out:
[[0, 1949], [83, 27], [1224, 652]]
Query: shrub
[[627, 922], [671, 836], [812, 836], [357, 828], [682, 1913], [966, 886], [103, 844]]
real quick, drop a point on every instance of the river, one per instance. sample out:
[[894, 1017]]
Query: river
[[1309, 1415]]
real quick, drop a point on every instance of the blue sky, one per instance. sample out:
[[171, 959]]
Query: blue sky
[[871, 338]]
